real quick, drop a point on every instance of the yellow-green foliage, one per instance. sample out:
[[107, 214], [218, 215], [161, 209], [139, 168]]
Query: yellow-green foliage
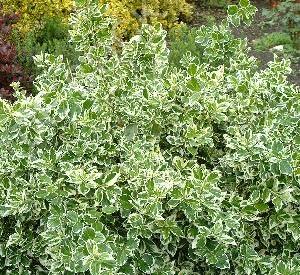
[[132, 13], [33, 12]]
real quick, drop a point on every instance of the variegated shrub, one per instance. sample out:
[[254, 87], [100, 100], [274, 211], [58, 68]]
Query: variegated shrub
[[128, 166]]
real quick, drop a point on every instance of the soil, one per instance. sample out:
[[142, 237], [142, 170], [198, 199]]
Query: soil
[[203, 15]]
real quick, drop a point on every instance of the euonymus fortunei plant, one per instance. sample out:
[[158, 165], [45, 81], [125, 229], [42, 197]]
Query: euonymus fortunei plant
[[129, 166]]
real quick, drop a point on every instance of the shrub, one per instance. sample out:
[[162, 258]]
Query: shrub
[[52, 37], [34, 12], [131, 14], [127, 166], [10, 71], [182, 40]]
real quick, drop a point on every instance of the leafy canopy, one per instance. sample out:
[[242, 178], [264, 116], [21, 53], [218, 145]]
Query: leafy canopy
[[127, 166]]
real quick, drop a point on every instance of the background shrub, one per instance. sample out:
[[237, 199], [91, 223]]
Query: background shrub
[[42, 27], [182, 40], [131, 14], [53, 38], [34, 12], [10, 70], [130, 166]]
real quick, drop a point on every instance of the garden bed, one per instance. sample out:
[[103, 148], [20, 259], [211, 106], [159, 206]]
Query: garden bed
[[254, 32]]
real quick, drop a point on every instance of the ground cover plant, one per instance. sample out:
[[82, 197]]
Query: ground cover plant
[[287, 14], [217, 3], [127, 165], [279, 43], [272, 40]]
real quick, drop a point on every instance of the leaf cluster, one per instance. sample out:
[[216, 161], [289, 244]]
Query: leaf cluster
[[130, 166]]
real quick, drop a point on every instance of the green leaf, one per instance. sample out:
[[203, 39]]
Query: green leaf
[[53, 222], [130, 131], [248, 252], [5, 210], [146, 263], [261, 207], [88, 233], [135, 220], [95, 267], [255, 196], [192, 70], [297, 139], [86, 68], [213, 177], [294, 229], [83, 188], [227, 240], [199, 242], [278, 203], [282, 268], [193, 85], [109, 209], [72, 216], [232, 9], [63, 109], [285, 167], [111, 179], [244, 3], [176, 230], [223, 262]]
